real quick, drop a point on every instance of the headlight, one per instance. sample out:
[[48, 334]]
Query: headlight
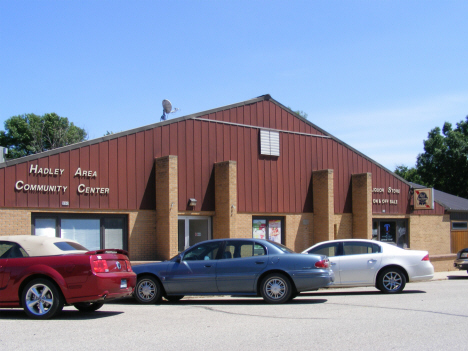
[[464, 255]]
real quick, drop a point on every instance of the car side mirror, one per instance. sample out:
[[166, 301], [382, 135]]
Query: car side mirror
[[178, 259]]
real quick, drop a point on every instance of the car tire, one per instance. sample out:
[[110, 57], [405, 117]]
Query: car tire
[[276, 288], [88, 306], [294, 295], [174, 298], [148, 290], [391, 281], [41, 299]]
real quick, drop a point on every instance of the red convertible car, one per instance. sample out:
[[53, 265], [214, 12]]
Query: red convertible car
[[42, 274]]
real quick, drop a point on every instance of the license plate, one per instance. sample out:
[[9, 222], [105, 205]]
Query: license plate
[[123, 284]]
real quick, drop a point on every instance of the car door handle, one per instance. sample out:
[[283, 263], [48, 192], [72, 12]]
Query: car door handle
[[259, 262], [333, 263], [372, 261], [207, 265]]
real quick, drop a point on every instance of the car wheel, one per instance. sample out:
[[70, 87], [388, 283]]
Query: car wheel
[[294, 295], [276, 288], [41, 299], [148, 290], [174, 298], [88, 306], [391, 281]]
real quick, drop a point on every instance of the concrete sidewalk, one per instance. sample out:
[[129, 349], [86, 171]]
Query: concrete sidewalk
[[450, 275]]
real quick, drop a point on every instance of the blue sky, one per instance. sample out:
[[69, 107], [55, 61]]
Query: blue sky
[[378, 75]]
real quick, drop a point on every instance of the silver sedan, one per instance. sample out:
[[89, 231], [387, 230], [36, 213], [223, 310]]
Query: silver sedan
[[360, 262]]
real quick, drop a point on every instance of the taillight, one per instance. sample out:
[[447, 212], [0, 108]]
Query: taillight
[[425, 258], [100, 266], [129, 266], [325, 263]]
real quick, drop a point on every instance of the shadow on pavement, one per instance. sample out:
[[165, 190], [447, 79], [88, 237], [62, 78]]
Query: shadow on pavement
[[189, 300], [359, 293], [455, 277], [75, 315], [244, 301]]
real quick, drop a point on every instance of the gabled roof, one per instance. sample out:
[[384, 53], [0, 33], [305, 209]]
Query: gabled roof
[[265, 97], [448, 201]]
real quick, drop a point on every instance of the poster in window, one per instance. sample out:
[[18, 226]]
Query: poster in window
[[387, 232], [259, 228], [275, 230]]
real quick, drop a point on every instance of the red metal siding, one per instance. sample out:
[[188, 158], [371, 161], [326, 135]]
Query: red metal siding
[[103, 172], [94, 182], [2, 187], [281, 184]]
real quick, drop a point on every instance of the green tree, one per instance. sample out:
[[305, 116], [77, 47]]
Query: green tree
[[300, 113], [29, 134], [409, 174], [444, 163]]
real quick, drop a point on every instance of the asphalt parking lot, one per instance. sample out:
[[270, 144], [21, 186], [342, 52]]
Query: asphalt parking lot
[[426, 316]]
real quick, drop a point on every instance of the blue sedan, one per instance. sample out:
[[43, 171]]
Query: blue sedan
[[233, 267]]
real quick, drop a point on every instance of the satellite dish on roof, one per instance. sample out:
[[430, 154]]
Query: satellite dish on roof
[[167, 108]]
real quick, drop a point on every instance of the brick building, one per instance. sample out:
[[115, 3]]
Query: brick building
[[253, 168]]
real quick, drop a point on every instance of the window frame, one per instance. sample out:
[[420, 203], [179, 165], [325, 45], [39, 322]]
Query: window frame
[[201, 245], [338, 252], [268, 218], [460, 222], [362, 243], [240, 244], [341, 244], [102, 217]]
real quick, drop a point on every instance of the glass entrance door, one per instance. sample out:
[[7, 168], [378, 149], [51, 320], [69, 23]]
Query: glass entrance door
[[192, 230]]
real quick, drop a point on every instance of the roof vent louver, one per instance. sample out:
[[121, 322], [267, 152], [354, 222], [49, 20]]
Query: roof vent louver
[[269, 143]]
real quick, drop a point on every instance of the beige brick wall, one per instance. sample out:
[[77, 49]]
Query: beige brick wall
[[323, 198], [225, 219], [430, 233], [244, 226], [166, 207], [142, 240], [15, 222], [299, 231], [343, 226], [361, 185]]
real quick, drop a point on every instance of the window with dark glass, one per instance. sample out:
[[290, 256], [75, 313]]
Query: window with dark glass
[[459, 225], [329, 250], [206, 251], [359, 248], [94, 232], [242, 249], [11, 250]]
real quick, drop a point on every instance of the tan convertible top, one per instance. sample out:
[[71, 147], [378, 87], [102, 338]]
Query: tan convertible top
[[41, 245]]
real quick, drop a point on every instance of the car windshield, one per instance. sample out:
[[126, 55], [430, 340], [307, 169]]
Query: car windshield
[[70, 246], [281, 247]]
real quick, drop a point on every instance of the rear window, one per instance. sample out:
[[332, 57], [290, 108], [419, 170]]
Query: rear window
[[281, 247], [329, 250], [70, 246]]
